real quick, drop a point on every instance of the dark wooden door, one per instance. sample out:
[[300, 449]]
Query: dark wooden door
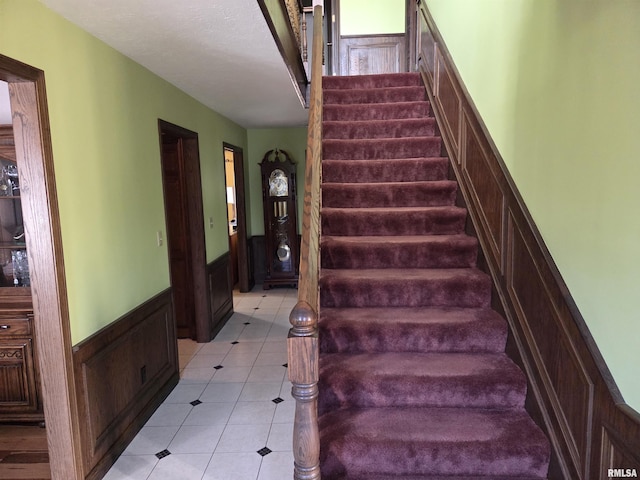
[[177, 219], [245, 269]]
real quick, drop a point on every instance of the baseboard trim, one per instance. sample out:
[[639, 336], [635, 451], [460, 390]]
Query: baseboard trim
[[572, 395], [122, 374]]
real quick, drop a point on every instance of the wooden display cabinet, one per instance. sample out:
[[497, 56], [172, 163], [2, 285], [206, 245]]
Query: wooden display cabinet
[[19, 391]]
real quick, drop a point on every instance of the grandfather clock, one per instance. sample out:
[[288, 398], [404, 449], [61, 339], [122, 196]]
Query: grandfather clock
[[280, 221]]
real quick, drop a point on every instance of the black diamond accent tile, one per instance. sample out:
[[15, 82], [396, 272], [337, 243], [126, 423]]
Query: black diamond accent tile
[[277, 400], [218, 367], [235, 343], [195, 402], [264, 451], [163, 453], [285, 365]]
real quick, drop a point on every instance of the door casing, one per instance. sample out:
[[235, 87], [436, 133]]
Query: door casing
[[30, 116], [245, 272], [192, 229]]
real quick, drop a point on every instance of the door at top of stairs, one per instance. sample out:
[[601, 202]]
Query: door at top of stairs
[[369, 42]]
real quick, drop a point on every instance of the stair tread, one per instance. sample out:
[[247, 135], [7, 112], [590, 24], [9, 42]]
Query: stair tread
[[439, 208], [399, 240], [416, 183], [435, 379], [370, 476], [406, 274], [432, 441], [432, 315]]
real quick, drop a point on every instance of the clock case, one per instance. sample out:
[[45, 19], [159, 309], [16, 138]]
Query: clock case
[[282, 254]]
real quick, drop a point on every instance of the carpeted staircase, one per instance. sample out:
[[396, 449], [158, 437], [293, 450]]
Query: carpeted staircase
[[414, 381]]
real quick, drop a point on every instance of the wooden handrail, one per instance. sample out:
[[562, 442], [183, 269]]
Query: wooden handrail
[[302, 344]]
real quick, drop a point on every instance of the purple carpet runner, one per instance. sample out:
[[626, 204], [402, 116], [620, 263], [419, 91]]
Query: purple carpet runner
[[414, 380]]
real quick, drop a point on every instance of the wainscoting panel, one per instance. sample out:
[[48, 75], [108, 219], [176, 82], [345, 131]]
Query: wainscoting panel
[[368, 54], [220, 292], [567, 381], [487, 193], [571, 393], [259, 259], [122, 373], [427, 45], [448, 102]]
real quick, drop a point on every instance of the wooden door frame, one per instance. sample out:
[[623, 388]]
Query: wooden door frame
[[245, 277], [34, 152], [191, 155]]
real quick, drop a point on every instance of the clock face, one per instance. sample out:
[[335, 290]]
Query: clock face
[[278, 184]]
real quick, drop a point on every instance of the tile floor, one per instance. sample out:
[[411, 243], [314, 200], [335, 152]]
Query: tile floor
[[231, 415]]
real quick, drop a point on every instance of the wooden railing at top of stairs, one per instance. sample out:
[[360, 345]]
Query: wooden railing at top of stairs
[[302, 344]]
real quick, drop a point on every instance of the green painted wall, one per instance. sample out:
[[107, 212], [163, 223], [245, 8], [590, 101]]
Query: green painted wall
[[291, 139], [368, 17], [556, 83], [104, 110]]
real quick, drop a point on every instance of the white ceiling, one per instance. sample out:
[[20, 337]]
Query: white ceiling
[[220, 52]]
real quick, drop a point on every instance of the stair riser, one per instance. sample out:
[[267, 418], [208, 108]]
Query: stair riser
[[404, 170], [340, 389], [431, 442], [421, 127], [483, 461], [414, 256], [386, 195], [372, 81], [466, 292], [383, 111], [345, 221], [347, 337], [374, 95], [381, 148]]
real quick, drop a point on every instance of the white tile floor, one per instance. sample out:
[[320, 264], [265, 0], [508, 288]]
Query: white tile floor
[[242, 429]]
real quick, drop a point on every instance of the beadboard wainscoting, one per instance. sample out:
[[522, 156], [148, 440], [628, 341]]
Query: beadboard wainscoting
[[571, 394]]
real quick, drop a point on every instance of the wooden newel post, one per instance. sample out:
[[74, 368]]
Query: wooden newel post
[[303, 373]]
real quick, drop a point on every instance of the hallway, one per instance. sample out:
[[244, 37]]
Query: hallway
[[231, 415]]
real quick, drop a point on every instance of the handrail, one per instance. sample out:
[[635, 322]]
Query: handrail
[[279, 22], [302, 343]]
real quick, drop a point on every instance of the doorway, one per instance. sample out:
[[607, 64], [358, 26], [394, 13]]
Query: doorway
[[30, 121], [184, 216], [237, 217], [369, 36]]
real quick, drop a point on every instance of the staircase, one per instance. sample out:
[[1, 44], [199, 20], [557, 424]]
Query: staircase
[[414, 381]]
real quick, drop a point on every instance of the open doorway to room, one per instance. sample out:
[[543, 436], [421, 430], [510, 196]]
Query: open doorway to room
[[241, 271], [185, 230], [232, 219]]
